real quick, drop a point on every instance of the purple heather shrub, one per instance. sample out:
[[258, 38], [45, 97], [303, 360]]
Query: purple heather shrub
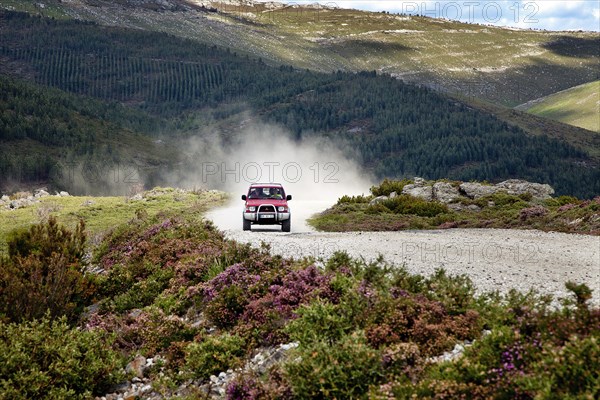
[[243, 389], [298, 286], [535, 211], [367, 290], [236, 274], [566, 207]]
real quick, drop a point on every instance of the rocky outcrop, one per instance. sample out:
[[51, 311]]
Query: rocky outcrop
[[25, 199], [538, 191], [516, 187], [377, 200], [448, 193]]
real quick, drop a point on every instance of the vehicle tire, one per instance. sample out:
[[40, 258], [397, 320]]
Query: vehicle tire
[[286, 225], [247, 224]]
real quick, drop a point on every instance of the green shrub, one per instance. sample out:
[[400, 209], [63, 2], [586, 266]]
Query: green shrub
[[227, 307], [46, 359], [319, 321], [345, 199], [561, 201], [455, 292], [377, 208], [339, 260], [504, 199], [44, 272], [143, 292], [214, 354], [388, 186], [343, 370], [568, 372], [406, 204]]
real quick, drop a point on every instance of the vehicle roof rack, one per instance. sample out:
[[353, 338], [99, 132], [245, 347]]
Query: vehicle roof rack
[[266, 183]]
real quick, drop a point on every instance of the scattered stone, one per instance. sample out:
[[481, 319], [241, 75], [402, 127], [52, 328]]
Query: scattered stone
[[473, 207], [120, 388], [393, 194], [64, 194], [41, 193], [418, 190], [444, 192], [377, 200], [5, 198], [475, 190], [136, 312], [137, 366], [146, 389]]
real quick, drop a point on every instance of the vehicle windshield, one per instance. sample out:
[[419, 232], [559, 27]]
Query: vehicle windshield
[[274, 193]]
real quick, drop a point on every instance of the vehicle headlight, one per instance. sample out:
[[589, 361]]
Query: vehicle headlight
[[251, 209], [281, 209]]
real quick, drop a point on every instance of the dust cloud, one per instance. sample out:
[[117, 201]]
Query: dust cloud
[[314, 171]]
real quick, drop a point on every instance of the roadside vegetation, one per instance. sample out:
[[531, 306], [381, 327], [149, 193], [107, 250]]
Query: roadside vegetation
[[499, 210], [170, 287], [101, 214]]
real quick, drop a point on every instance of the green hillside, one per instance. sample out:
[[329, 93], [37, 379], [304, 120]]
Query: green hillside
[[506, 66], [398, 129], [578, 106], [47, 134]]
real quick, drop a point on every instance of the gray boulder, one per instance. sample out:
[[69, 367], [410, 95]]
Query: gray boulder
[[377, 200], [41, 193], [445, 192], [476, 190], [418, 190], [517, 187]]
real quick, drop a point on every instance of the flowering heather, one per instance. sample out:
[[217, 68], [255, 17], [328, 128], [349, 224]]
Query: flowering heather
[[530, 212], [236, 274]]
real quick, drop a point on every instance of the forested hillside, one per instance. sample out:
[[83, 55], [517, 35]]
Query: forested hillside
[[45, 132], [399, 129]]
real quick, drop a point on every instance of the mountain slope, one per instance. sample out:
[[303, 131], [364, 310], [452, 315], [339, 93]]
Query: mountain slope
[[506, 66], [578, 106]]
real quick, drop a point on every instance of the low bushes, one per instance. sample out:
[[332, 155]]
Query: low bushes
[[214, 354], [47, 359], [44, 273], [388, 186]]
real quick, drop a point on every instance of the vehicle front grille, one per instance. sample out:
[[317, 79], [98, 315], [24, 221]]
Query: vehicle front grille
[[267, 209]]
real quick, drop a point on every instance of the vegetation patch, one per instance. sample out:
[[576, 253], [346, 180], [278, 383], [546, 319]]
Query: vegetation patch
[[498, 210]]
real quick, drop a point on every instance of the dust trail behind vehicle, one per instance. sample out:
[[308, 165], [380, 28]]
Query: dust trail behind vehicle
[[316, 173]]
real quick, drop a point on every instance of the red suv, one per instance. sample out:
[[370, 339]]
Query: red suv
[[266, 204]]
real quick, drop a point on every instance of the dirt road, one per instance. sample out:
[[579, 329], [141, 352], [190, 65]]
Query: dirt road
[[495, 259]]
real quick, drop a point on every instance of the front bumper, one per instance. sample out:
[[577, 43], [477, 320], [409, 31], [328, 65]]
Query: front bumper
[[266, 217]]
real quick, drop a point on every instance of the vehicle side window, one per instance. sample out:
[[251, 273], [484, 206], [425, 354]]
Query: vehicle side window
[[254, 193]]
